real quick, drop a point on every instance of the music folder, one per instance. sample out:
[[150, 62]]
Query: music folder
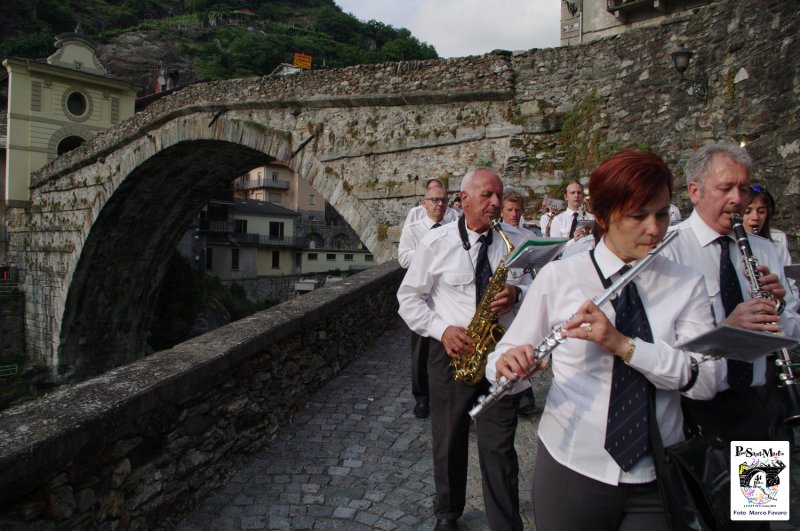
[[792, 272], [536, 252], [737, 343]]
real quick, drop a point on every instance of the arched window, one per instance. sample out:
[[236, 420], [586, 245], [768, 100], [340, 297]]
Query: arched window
[[340, 241], [69, 143], [315, 241]]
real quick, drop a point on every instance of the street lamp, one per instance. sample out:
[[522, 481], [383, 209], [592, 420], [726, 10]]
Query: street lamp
[[699, 85]]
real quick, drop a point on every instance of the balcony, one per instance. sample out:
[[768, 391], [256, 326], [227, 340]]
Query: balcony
[[643, 9], [622, 9], [261, 183], [268, 241]]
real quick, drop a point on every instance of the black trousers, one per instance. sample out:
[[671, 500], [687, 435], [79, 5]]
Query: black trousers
[[419, 367], [567, 500], [731, 416], [450, 424]]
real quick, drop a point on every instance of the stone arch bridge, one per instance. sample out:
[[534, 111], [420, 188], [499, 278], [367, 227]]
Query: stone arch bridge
[[93, 245]]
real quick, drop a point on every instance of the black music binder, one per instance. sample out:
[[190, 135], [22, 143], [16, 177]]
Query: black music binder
[[737, 343]]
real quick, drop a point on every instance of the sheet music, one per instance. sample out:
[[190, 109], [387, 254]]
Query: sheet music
[[737, 343], [536, 252]]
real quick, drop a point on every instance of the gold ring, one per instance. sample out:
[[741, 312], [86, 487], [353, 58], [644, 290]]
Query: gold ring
[[589, 328], [505, 361]]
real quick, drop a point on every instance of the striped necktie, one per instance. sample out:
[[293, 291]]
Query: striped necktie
[[627, 430]]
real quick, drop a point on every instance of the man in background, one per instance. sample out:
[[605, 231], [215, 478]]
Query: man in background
[[435, 204]]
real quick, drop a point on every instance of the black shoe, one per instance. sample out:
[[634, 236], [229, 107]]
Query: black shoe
[[445, 524], [421, 411]]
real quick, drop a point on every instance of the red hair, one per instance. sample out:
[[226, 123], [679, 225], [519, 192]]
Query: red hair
[[625, 182]]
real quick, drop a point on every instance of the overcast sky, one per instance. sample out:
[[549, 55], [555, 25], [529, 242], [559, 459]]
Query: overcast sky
[[457, 28]]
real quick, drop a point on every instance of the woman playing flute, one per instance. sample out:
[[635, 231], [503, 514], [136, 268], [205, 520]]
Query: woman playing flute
[[594, 465]]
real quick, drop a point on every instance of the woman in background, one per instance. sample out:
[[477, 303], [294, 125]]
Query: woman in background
[[757, 217]]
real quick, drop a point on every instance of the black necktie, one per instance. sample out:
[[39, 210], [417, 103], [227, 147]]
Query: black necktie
[[436, 225], [627, 431], [483, 271], [740, 373], [574, 225]]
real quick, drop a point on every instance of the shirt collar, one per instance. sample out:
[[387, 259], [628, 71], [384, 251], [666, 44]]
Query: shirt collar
[[704, 234], [607, 261], [473, 236], [428, 222]]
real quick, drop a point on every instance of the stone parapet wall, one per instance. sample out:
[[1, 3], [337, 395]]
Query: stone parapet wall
[[132, 448]]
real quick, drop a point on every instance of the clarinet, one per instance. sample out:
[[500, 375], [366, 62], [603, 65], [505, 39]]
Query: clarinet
[[784, 361], [546, 347]]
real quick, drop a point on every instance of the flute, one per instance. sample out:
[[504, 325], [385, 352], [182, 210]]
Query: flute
[[546, 347]]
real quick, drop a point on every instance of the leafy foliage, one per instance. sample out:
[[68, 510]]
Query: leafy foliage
[[186, 295], [225, 41]]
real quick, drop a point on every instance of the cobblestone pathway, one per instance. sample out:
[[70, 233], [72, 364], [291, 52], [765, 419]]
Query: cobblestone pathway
[[358, 459]]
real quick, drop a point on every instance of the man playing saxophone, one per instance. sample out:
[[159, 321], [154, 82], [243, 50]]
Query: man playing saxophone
[[438, 298]]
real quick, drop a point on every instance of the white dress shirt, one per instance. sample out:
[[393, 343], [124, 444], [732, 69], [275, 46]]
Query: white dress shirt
[[573, 424], [563, 222], [583, 244], [419, 212], [411, 236], [438, 289], [780, 241], [697, 248]]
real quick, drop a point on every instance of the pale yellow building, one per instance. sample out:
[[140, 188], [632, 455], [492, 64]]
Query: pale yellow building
[[50, 107], [54, 106]]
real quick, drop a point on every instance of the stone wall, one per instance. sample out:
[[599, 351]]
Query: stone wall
[[132, 448]]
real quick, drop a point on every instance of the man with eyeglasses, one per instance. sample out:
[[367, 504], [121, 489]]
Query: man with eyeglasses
[[419, 212], [434, 205], [444, 284], [718, 179]]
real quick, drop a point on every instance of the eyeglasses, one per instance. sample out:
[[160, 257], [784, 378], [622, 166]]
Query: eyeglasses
[[758, 188], [437, 200]]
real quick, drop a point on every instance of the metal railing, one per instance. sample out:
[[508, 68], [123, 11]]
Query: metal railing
[[261, 183], [270, 241]]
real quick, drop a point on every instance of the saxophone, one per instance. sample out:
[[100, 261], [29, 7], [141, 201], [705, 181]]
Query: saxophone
[[484, 329]]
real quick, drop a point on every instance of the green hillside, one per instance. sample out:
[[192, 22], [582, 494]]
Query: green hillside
[[222, 38]]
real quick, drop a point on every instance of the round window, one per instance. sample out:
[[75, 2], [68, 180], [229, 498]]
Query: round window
[[77, 104]]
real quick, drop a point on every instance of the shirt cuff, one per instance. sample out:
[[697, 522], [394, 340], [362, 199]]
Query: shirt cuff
[[438, 327]]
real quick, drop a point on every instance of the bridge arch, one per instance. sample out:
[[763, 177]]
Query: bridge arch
[[124, 211]]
